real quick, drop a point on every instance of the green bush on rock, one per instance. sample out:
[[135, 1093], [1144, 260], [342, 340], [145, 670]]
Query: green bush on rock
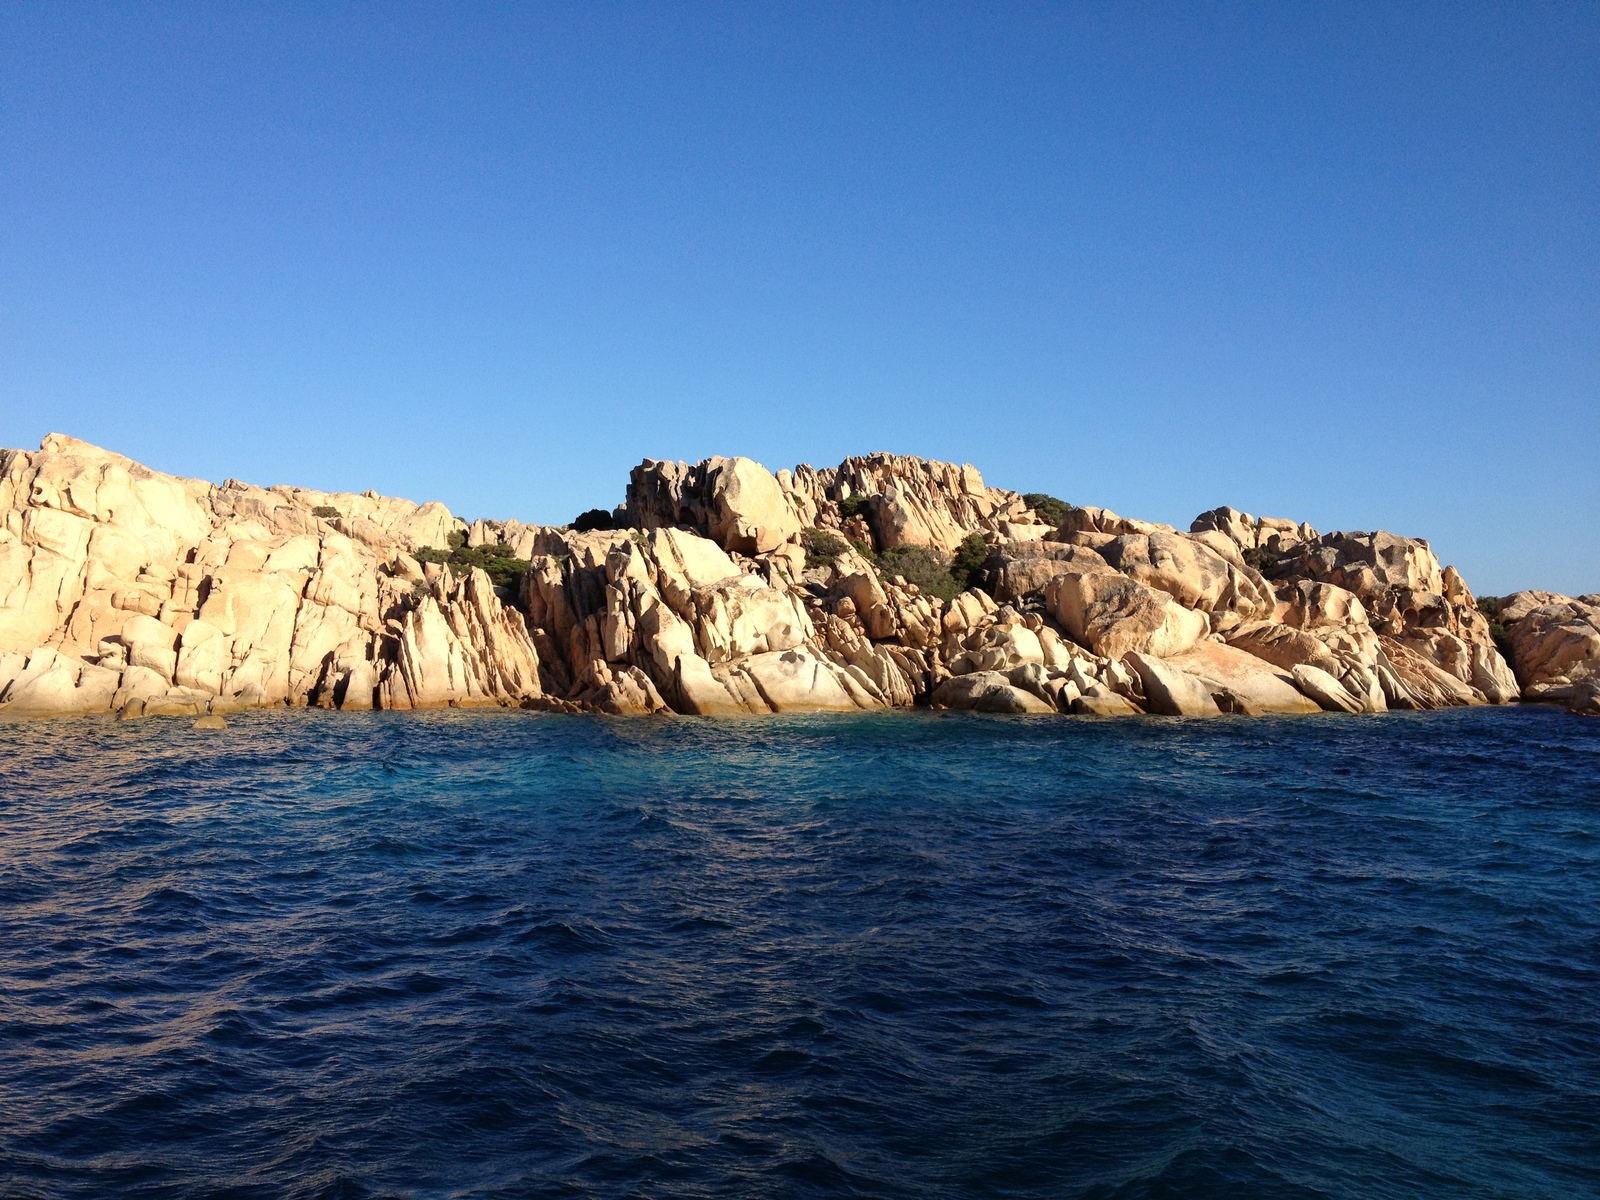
[[501, 568], [1261, 559], [919, 565], [327, 512], [855, 506], [595, 518], [822, 548], [1049, 509], [971, 557], [931, 571], [1489, 606]]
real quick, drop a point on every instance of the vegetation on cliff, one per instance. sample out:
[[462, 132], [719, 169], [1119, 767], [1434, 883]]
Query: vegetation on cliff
[[593, 519], [504, 570], [1050, 509]]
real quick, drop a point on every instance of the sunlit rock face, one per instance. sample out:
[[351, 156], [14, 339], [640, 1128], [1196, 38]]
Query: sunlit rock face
[[196, 597], [728, 589]]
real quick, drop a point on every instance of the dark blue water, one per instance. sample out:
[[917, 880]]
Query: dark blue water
[[508, 954]]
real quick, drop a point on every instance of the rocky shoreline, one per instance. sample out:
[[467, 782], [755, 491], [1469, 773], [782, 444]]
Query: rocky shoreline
[[720, 588]]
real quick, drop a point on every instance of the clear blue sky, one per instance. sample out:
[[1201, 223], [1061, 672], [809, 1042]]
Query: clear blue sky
[[1334, 262]]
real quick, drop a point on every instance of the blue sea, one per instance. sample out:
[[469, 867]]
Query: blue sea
[[506, 954]]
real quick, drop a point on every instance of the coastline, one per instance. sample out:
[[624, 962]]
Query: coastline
[[720, 588]]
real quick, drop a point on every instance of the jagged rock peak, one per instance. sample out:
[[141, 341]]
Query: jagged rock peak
[[884, 499]]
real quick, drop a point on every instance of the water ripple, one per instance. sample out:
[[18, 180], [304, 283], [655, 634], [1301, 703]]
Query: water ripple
[[507, 954]]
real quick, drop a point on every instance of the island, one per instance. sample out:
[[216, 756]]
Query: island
[[721, 588]]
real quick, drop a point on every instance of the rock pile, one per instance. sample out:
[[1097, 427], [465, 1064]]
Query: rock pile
[[124, 590], [1555, 644]]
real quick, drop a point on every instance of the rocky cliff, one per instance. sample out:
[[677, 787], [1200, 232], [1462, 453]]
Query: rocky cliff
[[1554, 642], [728, 589]]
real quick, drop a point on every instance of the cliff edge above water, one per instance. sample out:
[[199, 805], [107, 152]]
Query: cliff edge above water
[[721, 587]]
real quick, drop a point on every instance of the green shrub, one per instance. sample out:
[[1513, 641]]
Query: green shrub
[[968, 566], [1489, 606], [595, 518], [822, 548], [855, 506], [1261, 559], [1502, 643], [921, 566], [495, 561], [1048, 509], [327, 512], [928, 569]]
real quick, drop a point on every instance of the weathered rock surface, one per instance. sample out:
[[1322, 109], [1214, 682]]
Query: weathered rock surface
[[1325, 689], [911, 501], [1192, 573], [1253, 533], [1171, 691], [1114, 615], [988, 691], [1241, 682], [1555, 644], [126, 591], [123, 589], [735, 501]]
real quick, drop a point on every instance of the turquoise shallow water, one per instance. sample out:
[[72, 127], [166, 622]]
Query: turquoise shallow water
[[512, 954]]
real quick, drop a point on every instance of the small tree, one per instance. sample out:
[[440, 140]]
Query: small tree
[[855, 506], [822, 548], [595, 518], [1047, 508], [971, 558]]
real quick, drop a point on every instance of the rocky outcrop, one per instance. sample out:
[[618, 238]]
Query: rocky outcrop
[[911, 501], [1114, 615], [124, 590], [734, 501], [1374, 610], [1241, 682], [1192, 573], [1555, 646], [1253, 533]]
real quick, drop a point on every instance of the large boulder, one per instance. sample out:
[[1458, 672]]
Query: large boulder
[[1253, 533], [1114, 615], [798, 681], [1367, 563], [987, 691], [1170, 691], [697, 561], [750, 512], [998, 647], [1425, 684], [910, 502], [1022, 569], [1325, 690], [1091, 520], [1192, 573], [1099, 701], [1284, 646], [1555, 645], [1242, 682], [736, 502]]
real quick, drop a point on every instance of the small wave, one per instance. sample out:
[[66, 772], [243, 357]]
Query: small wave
[[901, 956]]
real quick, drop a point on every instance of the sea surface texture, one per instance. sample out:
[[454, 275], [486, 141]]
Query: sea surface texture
[[905, 955]]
